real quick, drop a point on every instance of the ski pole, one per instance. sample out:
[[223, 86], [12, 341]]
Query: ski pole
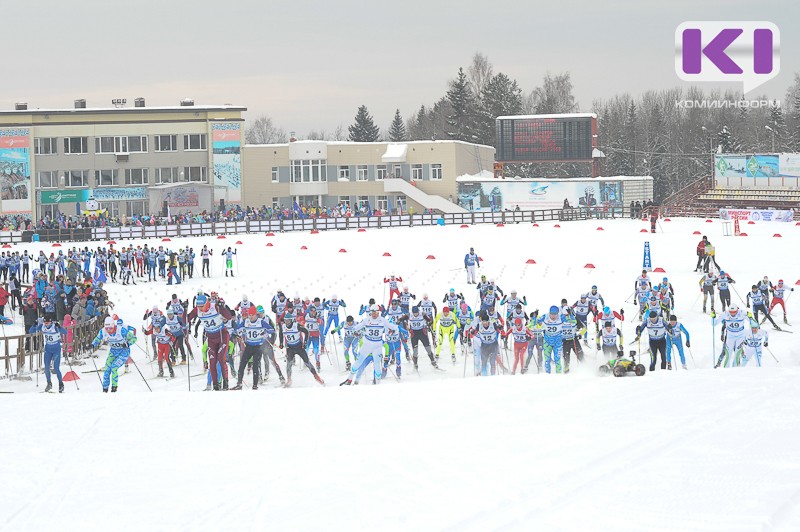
[[737, 295], [140, 373], [335, 351], [713, 339], [773, 356], [97, 371]]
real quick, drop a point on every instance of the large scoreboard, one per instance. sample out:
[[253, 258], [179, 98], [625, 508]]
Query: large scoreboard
[[551, 138]]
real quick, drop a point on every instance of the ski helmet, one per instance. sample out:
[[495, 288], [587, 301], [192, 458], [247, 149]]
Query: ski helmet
[[594, 287], [170, 311], [673, 317], [374, 308], [608, 325], [415, 310], [252, 311], [260, 309], [518, 321], [606, 310], [754, 324], [553, 309], [584, 296], [653, 314], [201, 300], [108, 323], [733, 309], [780, 281]]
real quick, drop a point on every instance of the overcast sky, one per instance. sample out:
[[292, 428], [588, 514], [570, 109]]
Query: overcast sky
[[309, 65]]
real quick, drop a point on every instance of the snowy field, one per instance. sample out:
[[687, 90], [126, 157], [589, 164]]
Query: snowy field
[[702, 449]]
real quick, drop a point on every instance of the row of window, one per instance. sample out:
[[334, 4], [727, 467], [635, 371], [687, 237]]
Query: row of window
[[381, 202], [130, 176], [119, 144], [114, 208], [315, 170]]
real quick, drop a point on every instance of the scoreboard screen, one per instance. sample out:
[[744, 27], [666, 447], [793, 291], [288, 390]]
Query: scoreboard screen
[[545, 137]]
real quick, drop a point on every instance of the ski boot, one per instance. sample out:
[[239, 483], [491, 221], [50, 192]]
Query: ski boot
[[669, 365], [785, 320], [384, 372], [160, 373], [453, 359], [237, 387], [208, 388], [255, 386], [113, 389], [288, 383], [105, 390], [319, 379], [398, 372], [346, 382], [48, 387], [183, 362], [318, 366], [171, 373], [283, 380], [684, 366], [225, 385], [60, 387], [778, 328], [347, 365]]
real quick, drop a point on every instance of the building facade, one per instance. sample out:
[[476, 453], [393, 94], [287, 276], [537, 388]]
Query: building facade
[[386, 176], [130, 160]]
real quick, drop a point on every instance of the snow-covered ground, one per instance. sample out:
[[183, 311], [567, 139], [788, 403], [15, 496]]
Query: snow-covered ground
[[702, 449]]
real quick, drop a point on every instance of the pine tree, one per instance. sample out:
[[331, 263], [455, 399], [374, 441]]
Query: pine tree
[[778, 126], [725, 141], [364, 128], [461, 121], [397, 130]]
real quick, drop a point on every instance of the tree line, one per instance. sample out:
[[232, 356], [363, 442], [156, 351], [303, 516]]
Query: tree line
[[654, 133]]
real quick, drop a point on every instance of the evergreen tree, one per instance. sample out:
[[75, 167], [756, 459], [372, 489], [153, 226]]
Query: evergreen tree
[[501, 96], [725, 141], [397, 130], [461, 121], [364, 128], [778, 126]]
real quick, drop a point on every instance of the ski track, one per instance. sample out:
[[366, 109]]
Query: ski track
[[684, 450]]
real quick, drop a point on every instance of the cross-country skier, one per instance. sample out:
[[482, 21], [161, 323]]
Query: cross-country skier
[[53, 336], [756, 298], [393, 339], [293, 335], [488, 333], [657, 333], [206, 254], [164, 342], [393, 286], [332, 306], [674, 338], [607, 339], [521, 335], [213, 318], [777, 297], [228, 254], [351, 340], [254, 330], [643, 278], [570, 339], [452, 299], [120, 338], [733, 335], [723, 282], [373, 328], [445, 329], [763, 286], [418, 326], [707, 283], [553, 323], [471, 262], [753, 343]]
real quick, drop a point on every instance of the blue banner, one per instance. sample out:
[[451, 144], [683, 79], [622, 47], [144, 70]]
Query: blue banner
[[647, 264]]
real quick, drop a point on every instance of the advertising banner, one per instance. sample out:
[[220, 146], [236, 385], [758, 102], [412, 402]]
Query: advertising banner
[[730, 166], [498, 195], [15, 170], [757, 215], [99, 194], [226, 145], [763, 166], [789, 164], [182, 197]]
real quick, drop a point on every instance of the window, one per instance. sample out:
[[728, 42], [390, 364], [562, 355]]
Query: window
[[276, 205], [137, 208], [275, 175], [166, 142], [104, 145], [436, 171], [76, 145], [194, 142], [382, 203], [416, 172], [48, 179], [307, 171], [45, 146], [137, 144], [362, 172], [111, 206], [345, 200], [398, 171], [169, 175], [76, 178], [344, 172], [106, 178], [196, 174], [48, 210], [380, 172], [363, 201], [136, 176]]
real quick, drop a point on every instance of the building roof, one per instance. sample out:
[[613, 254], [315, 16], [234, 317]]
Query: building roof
[[384, 143], [561, 115], [130, 109]]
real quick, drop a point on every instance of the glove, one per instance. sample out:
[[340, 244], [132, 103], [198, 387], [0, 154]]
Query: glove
[[722, 338], [205, 365], [688, 344], [713, 314], [791, 289], [748, 305], [701, 290], [766, 344], [598, 347]]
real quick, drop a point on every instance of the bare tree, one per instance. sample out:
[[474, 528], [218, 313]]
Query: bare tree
[[479, 73], [263, 131], [555, 95]]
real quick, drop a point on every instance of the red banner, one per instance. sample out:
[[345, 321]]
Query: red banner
[[15, 142]]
